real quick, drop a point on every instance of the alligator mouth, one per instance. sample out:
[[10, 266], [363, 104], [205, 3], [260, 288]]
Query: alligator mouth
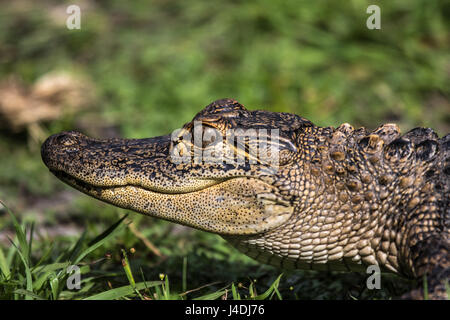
[[91, 189], [232, 206]]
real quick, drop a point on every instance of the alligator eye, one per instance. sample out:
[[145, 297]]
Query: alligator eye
[[210, 136]]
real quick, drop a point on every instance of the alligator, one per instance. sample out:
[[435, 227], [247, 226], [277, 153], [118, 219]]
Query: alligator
[[282, 190]]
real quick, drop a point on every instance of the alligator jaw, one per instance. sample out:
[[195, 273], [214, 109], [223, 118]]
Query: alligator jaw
[[227, 206]]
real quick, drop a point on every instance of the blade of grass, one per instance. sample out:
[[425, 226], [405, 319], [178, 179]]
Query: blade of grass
[[20, 236], [212, 296], [51, 267], [278, 293], [71, 294], [4, 269], [126, 267], [77, 247], [44, 257], [54, 285], [10, 255], [272, 289], [142, 275], [184, 278], [425, 288], [102, 238], [199, 288], [252, 291], [166, 288], [122, 292], [30, 241], [235, 293], [29, 279], [158, 293], [447, 289], [43, 273], [41, 281]]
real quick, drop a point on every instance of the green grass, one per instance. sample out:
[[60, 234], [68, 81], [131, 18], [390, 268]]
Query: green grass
[[31, 269], [23, 276], [153, 65]]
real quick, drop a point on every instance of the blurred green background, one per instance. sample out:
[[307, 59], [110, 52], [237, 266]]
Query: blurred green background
[[149, 66]]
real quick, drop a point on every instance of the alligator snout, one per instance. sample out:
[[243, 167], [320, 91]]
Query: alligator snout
[[60, 143]]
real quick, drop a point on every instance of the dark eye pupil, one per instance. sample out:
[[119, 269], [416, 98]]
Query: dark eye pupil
[[209, 136]]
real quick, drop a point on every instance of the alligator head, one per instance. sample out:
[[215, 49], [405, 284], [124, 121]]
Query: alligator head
[[218, 173], [279, 188]]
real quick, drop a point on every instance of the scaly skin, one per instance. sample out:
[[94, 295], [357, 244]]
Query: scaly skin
[[339, 199]]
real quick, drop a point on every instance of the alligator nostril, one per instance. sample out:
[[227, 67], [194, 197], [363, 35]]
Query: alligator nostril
[[57, 147]]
